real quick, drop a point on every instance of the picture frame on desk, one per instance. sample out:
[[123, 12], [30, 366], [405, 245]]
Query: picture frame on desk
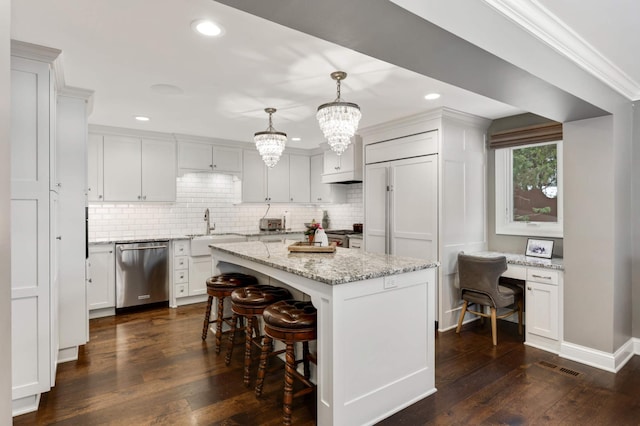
[[539, 248]]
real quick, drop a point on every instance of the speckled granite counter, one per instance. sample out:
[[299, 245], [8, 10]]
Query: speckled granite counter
[[341, 267], [359, 317], [522, 260]]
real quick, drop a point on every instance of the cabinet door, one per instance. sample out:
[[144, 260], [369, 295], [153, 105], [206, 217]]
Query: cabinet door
[[199, 272], [158, 170], [122, 168], [254, 179], [299, 175], [332, 162], [94, 168], [376, 208], [101, 280], [194, 156], [542, 309], [278, 181], [227, 159]]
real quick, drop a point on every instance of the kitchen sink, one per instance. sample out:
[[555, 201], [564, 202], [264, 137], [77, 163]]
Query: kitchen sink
[[200, 243]]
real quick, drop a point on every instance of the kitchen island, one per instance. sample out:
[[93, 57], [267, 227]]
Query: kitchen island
[[376, 323]]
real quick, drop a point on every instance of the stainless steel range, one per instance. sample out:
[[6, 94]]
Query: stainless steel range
[[339, 236]]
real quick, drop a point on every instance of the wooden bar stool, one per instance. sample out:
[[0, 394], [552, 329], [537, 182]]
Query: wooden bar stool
[[221, 286], [290, 321], [248, 303]]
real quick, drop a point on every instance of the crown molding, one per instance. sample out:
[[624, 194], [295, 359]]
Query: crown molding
[[544, 25], [35, 52]]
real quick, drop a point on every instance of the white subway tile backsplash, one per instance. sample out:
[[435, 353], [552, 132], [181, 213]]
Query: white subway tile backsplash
[[221, 195]]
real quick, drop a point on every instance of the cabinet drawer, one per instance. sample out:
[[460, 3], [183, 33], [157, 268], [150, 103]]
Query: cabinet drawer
[[542, 276], [517, 272], [180, 277], [181, 248], [181, 262]]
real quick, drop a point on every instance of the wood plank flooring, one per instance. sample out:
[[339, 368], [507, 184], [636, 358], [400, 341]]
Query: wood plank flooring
[[152, 367]]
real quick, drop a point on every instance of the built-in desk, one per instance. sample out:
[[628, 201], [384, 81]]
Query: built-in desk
[[543, 288]]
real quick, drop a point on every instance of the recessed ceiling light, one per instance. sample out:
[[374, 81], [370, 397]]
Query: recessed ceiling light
[[296, 139], [207, 28], [141, 117], [432, 96]]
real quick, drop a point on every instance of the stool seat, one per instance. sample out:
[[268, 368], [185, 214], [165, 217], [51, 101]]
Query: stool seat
[[259, 295], [291, 314], [221, 286]]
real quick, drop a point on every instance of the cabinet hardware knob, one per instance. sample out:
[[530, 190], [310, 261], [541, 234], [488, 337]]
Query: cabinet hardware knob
[[59, 237], [99, 196], [89, 280], [139, 197], [144, 197], [529, 288], [59, 184]]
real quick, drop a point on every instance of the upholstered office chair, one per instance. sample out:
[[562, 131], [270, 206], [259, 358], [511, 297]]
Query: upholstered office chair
[[479, 284]]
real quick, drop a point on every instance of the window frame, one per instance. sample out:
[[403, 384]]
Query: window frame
[[505, 225]]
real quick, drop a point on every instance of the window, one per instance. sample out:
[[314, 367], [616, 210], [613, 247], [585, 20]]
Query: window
[[529, 190]]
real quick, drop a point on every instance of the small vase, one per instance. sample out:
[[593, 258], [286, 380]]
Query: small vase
[[311, 238]]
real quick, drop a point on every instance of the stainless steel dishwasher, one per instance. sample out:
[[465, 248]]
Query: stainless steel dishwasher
[[142, 273]]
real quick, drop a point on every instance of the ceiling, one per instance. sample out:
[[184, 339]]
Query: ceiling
[[219, 87]]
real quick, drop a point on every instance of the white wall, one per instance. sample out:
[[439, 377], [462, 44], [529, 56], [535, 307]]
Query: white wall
[[5, 197], [636, 220], [220, 194]]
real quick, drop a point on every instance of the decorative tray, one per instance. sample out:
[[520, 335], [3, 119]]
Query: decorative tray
[[304, 247]]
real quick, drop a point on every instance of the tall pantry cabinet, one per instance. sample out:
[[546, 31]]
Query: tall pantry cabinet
[[425, 191], [47, 282]]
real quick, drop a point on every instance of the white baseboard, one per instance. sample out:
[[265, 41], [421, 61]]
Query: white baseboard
[[68, 354], [612, 362], [27, 404]]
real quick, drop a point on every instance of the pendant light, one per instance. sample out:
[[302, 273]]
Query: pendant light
[[270, 143], [338, 119]]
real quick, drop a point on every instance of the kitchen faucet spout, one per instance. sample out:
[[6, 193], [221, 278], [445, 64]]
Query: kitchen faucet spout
[[206, 219]]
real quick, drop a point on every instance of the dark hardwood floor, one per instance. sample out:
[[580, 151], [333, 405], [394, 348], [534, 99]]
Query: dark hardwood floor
[[153, 368]]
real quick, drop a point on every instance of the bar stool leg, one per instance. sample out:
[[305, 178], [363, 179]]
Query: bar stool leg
[[289, 368], [207, 316], [305, 359], [219, 324], [251, 326], [232, 338], [267, 348]]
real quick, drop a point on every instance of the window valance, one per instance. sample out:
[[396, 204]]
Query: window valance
[[526, 135]]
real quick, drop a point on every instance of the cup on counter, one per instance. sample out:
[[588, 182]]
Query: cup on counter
[[357, 227]]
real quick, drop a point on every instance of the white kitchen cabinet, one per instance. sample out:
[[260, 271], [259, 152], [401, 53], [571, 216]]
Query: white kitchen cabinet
[[346, 167], [34, 323], [95, 171], [543, 318], [199, 272], [202, 157], [180, 271], [324, 193], [299, 179], [101, 279], [138, 169], [261, 184]]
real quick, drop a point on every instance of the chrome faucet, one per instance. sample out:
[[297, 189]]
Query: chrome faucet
[[209, 227]]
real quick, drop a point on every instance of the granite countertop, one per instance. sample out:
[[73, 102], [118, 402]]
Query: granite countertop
[[522, 260], [255, 233], [341, 267]]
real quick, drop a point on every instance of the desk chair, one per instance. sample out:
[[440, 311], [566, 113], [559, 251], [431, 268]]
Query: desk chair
[[480, 285]]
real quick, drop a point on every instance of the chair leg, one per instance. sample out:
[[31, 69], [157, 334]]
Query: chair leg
[[520, 309], [267, 347], [247, 347], [207, 316], [232, 338], [219, 317], [462, 312], [289, 368], [494, 326]]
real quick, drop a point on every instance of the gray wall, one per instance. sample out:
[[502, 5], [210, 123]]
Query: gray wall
[[635, 209], [508, 243], [5, 200]]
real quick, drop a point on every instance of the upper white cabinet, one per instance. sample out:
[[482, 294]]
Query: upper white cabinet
[[202, 157], [95, 172], [346, 167], [261, 184], [136, 169], [299, 179], [324, 192]]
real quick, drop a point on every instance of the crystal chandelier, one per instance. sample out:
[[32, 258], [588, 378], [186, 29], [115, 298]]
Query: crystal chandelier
[[270, 143], [338, 119]]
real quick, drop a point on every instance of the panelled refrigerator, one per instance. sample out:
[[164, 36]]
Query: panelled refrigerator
[[401, 205]]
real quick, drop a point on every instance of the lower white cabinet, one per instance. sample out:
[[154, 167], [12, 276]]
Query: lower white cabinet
[[543, 302], [190, 274], [101, 278], [199, 272]]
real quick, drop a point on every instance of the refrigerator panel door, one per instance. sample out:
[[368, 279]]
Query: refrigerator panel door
[[414, 207]]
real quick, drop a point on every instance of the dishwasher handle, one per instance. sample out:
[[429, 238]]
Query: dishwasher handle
[[122, 248]]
